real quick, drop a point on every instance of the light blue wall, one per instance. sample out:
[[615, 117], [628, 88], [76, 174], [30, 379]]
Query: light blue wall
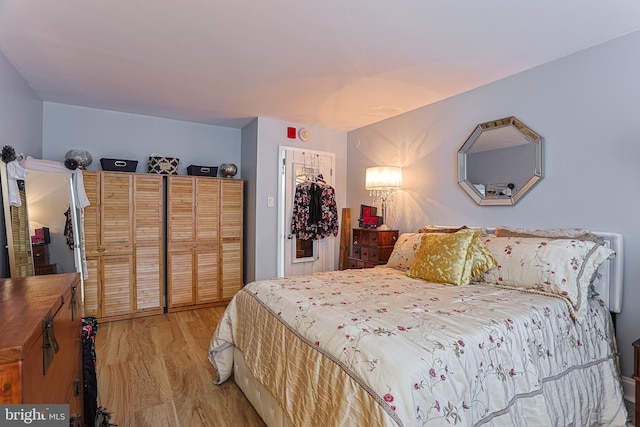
[[112, 134], [271, 134], [585, 106], [20, 112], [20, 127]]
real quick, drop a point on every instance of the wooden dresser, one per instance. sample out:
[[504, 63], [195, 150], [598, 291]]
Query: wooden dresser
[[371, 247], [41, 259], [39, 315]]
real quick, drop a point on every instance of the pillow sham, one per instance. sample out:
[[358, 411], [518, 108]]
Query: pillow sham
[[436, 229], [561, 267], [445, 258], [551, 233], [482, 260], [403, 255]]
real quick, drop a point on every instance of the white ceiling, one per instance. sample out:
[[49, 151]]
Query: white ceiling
[[340, 64]]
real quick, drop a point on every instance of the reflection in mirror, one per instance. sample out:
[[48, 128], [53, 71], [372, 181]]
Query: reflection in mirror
[[49, 207], [305, 249], [500, 162], [17, 221]]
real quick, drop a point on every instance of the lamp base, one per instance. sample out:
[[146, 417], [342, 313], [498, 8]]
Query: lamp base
[[384, 227]]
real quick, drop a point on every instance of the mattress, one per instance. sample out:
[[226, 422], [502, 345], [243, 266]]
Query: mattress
[[379, 348]]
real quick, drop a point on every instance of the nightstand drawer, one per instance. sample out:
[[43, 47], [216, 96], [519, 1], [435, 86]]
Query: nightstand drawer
[[45, 269], [371, 254], [356, 251], [372, 246]]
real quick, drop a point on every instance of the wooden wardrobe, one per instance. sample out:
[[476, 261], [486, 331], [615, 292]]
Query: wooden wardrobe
[[137, 221]]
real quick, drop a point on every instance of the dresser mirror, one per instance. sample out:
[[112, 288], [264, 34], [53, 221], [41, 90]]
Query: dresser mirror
[[500, 162], [42, 233]]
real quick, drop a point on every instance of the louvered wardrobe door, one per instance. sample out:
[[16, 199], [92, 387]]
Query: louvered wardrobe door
[[231, 228], [148, 235]]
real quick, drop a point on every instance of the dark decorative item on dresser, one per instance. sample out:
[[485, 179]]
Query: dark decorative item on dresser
[[371, 247], [82, 158], [228, 170], [368, 217], [40, 342]]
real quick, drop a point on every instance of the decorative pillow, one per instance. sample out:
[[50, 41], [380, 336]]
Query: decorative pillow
[[551, 233], [445, 258], [403, 255], [562, 267]]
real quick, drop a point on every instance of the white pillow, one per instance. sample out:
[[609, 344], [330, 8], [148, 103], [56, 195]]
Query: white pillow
[[562, 267], [403, 255]]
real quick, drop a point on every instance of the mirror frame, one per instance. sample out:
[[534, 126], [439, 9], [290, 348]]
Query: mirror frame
[[14, 271], [531, 136], [74, 180]]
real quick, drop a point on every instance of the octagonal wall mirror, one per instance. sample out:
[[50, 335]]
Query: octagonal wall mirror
[[500, 162]]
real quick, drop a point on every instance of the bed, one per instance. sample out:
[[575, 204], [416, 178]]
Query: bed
[[377, 347]]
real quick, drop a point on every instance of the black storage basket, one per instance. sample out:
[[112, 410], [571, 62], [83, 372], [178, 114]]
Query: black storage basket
[[202, 170], [118, 165]]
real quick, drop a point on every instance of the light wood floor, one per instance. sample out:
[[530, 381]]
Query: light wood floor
[[154, 371]]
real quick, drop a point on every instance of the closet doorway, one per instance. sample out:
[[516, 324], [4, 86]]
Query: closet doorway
[[297, 257]]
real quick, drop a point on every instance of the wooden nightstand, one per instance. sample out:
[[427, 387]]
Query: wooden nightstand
[[636, 376], [371, 247], [41, 259]]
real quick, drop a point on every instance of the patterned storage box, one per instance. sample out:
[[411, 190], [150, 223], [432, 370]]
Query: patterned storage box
[[164, 165]]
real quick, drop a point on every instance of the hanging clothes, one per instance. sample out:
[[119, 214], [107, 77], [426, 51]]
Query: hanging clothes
[[315, 214], [68, 229]]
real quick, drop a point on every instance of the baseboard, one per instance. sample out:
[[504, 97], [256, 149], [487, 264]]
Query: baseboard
[[629, 389]]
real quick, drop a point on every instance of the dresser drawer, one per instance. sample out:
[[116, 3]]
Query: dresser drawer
[[40, 254], [371, 254], [356, 251], [45, 269], [372, 247]]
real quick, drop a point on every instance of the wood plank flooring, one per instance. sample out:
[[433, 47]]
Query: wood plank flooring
[[154, 371]]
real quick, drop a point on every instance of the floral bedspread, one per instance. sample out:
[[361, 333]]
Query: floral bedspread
[[432, 354]]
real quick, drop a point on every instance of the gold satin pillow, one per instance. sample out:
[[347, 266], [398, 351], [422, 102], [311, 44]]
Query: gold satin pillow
[[445, 258]]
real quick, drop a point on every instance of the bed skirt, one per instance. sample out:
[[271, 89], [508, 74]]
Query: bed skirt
[[260, 398]]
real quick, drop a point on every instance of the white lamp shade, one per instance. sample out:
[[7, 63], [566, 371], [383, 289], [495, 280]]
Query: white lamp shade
[[383, 177]]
